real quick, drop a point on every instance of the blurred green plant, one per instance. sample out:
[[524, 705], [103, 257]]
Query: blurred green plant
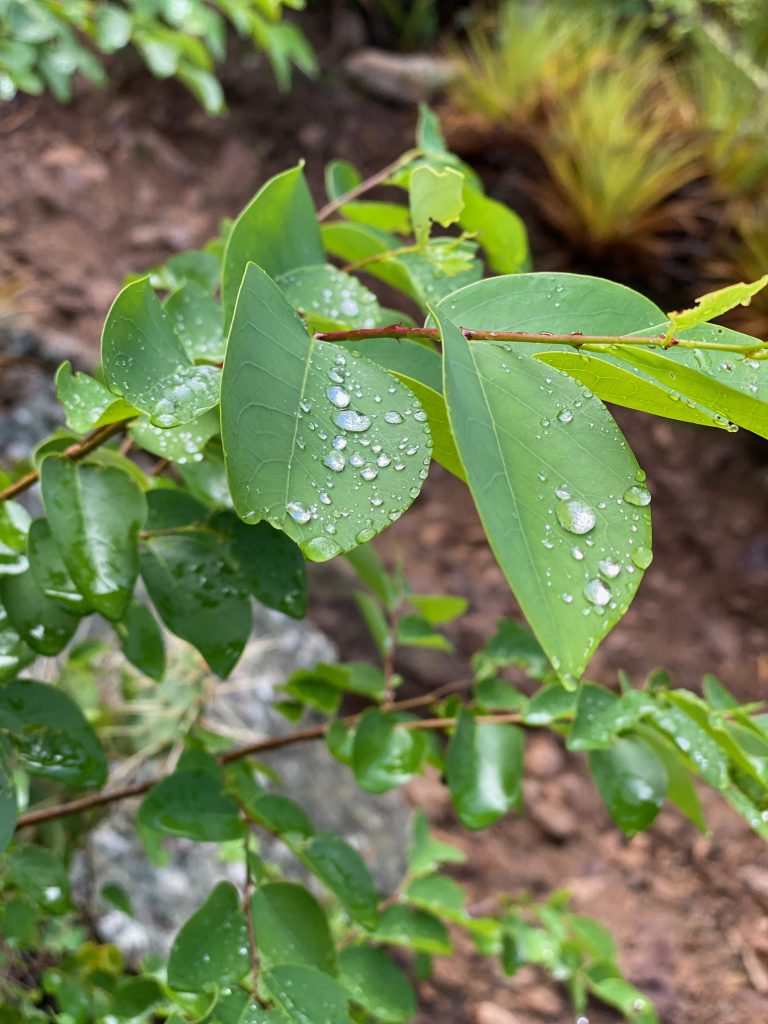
[[45, 43]]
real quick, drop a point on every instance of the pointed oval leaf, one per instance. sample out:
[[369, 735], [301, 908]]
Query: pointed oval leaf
[[413, 928], [95, 515], [212, 946], [50, 734], [14, 527], [375, 982], [329, 297], [142, 642], [339, 866], [557, 488], [41, 876], [291, 927], [305, 994], [40, 622], [146, 363], [278, 230], [632, 781], [49, 569], [307, 445], [484, 770], [385, 756], [199, 595], [340, 177], [87, 402], [198, 321], [192, 804]]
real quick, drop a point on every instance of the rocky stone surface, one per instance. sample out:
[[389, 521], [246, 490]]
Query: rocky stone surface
[[407, 78]]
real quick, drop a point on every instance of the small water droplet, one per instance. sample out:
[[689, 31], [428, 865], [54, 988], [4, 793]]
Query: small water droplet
[[597, 592], [298, 512], [642, 557], [576, 516], [354, 421], [609, 568], [335, 461], [338, 396], [393, 417], [637, 494], [565, 415], [578, 554]]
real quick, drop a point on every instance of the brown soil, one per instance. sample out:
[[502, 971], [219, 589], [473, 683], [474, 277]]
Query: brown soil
[[122, 179]]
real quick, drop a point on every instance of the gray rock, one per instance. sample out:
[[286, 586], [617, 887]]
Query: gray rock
[[164, 897], [407, 78]]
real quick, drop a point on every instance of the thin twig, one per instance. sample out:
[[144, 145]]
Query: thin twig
[[75, 451], [375, 179], [107, 796], [248, 911]]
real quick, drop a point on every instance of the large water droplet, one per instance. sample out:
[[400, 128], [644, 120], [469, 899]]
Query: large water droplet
[[642, 557], [609, 568], [338, 396], [300, 513], [335, 461], [354, 421], [318, 549], [565, 415], [637, 494], [339, 443], [576, 516], [393, 417], [597, 592]]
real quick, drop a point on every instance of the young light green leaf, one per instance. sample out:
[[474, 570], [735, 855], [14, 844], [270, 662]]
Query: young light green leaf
[[439, 609], [443, 443], [373, 981], [417, 631], [415, 929], [440, 894], [50, 734], [212, 946], [355, 243], [278, 231], [291, 927], [499, 230], [425, 853], [341, 868], [95, 515], [293, 427], [145, 362], [632, 781], [515, 423], [434, 195], [702, 751], [429, 135], [199, 595], [714, 304], [484, 770], [87, 403], [385, 756], [340, 177], [40, 622], [177, 444], [141, 641], [392, 217], [328, 298], [192, 804], [305, 994]]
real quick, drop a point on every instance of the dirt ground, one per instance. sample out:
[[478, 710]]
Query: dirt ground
[[123, 178]]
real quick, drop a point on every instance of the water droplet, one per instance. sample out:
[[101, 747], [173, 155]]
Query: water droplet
[[339, 443], [335, 461], [565, 415], [368, 473], [383, 460], [338, 396], [357, 460], [637, 494], [577, 553], [576, 516], [393, 417], [298, 512], [335, 376], [354, 421], [305, 405], [420, 416], [568, 598], [609, 568], [318, 549], [642, 557], [597, 592]]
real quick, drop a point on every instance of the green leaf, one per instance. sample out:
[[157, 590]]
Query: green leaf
[[699, 748], [191, 804], [134, 998], [146, 363], [714, 304], [439, 609], [14, 653], [278, 231], [484, 770], [550, 704], [416, 631], [113, 26], [304, 994], [434, 195], [717, 695], [87, 403], [632, 781], [425, 853], [511, 644], [8, 805], [41, 623], [600, 714], [328, 298], [291, 927], [117, 896], [49, 569], [429, 136], [440, 894], [341, 868], [592, 936], [384, 216], [415, 929], [142, 642], [177, 444], [39, 875], [14, 527], [493, 694], [681, 789], [403, 358], [95, 515], [515, 424], [51, 735], [385, 756], [375, 983], [212, 947], [293, 430], [355, 243], [278, 814], [443, 443], [170, 507], [371, 571], [340, 177], [498, 229], [199, 595], [198, 321]]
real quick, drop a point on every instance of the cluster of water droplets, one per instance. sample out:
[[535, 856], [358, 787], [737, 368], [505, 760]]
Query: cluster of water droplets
[[370, 447], [332, 294]]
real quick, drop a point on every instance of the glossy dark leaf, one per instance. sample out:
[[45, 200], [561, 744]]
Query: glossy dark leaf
[[291, 927], [341, 868], [376, 983], [192, 804], [142, 642], [212, 947], [484, 770], [305, 994], [385, 756], [632, 781], [40, 622]]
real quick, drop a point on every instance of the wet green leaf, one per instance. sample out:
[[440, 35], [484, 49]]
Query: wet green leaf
[[180, 444], [330, 299], [484, 770], [87, 402], [142, 642], [192, 804], [212, 946], [198, 321], [291, 927], [8, 805], [385, 756], [632, 781], [373, 981], [413, 928], [305, 994], [49, 570], [44, 625], [341, 868], [14, 653]]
